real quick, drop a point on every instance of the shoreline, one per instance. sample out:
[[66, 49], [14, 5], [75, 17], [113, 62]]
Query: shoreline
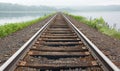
[[108, 45], [98, 24], [10, 28]]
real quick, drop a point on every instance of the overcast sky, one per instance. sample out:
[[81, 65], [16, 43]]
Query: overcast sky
[[63, 2]]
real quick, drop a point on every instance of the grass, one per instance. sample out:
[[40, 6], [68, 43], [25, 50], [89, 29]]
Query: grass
[[10, 28], [99, 24]]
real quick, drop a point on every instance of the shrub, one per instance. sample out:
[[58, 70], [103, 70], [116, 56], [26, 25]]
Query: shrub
[[99, 24], [13, 27]]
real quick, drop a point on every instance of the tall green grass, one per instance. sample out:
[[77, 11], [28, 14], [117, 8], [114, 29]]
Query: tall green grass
[[10, 28], [99, 24]]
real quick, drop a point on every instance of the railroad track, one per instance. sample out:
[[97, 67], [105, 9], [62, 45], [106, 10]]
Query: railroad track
[[58, 46]]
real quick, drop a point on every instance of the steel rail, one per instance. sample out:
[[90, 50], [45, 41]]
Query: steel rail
[[104, 60], [10, 63]]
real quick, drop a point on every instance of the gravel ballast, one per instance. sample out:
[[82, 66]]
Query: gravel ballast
[[108, 45], [10, 44]]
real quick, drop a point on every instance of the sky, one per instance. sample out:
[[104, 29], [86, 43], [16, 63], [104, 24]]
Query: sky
[[63, 2]]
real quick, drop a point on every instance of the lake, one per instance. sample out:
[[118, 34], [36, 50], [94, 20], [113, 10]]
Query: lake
[[13, 17], [112, 17]]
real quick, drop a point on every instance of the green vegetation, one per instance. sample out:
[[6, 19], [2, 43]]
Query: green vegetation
[[100, 25], [13, 27]]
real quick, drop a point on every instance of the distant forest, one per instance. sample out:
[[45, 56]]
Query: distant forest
[[16, 7]]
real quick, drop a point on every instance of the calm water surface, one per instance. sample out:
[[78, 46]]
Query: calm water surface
[[112, 18], [10, 17]]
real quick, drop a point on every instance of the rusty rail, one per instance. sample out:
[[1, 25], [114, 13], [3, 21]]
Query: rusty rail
[[60, 46]]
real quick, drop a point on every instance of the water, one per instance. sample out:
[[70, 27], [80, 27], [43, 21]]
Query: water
[[13, 17], [112, 18]]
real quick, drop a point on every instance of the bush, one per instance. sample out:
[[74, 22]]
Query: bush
[[13, 27], [99, 24]]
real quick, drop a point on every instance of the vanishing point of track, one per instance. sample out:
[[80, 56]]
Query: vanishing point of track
[[58, 46]]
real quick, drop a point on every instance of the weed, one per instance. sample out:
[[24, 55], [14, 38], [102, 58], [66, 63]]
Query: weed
[[10, 28], [99, 24]]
